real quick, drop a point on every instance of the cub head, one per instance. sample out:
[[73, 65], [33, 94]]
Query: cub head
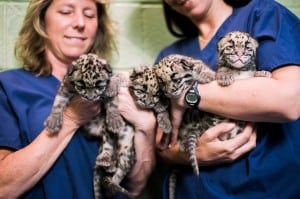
[[176, 73], [90, 76], [144, 86], [237, 49]]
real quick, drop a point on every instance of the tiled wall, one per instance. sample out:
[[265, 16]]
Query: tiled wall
[[142, 31]]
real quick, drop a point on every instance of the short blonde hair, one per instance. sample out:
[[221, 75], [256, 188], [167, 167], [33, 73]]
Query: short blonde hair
[[31, 42]]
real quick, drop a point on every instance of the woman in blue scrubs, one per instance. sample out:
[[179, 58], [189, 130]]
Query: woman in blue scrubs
[[272, 168], [33, 163]]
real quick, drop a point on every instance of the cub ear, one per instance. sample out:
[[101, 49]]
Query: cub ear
[[187, 63], [107, 67], [140, 69], [221, 42], [134, 72], [71, 67], [255, 42]]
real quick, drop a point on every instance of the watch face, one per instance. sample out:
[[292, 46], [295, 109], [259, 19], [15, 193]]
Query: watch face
[[192, 98]]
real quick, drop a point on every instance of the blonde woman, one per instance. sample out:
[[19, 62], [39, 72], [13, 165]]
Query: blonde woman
[[34, 164]]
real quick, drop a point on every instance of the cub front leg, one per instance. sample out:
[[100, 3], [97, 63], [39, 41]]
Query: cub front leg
[[54, 121], [163, 117], [206, 75], [164, 122], [225, 79], [106, 152], [126, 154], [263, 73], [114, 120]]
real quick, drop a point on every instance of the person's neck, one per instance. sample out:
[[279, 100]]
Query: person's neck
[[210, 23], [59, 67]]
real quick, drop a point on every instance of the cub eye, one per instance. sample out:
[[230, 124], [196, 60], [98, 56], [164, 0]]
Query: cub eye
[[229, 48], [159, 93], [249, 48], [80, 84], [100, 84], [176, 81], [139, 91]]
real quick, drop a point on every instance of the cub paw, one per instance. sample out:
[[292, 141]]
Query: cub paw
[[104, 160], [263, 73], [205, 78], [115, 123], [111, 188], [164, 122], [224, 80], [53, 123]]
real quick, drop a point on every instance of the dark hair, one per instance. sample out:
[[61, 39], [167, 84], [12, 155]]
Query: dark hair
[[181, 26], [237, 3]]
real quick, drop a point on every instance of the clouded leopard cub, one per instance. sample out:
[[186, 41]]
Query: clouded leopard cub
[[117, 155], [237, 54], [153, 86], [91, 78]]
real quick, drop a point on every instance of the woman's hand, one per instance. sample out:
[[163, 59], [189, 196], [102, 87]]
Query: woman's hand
[[211, 150], [80, 111], [141, 119], [144, 123]]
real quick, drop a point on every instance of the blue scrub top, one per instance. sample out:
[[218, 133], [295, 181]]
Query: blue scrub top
[[25, 102], [272, 169]]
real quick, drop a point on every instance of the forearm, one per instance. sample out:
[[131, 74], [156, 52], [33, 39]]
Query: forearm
[[211, 150], [145, 155], [275, 99], [22, 169]]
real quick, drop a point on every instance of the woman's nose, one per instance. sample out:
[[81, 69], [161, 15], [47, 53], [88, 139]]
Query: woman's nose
[[79, 21]]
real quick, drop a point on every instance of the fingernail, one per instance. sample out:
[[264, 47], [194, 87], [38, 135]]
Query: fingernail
[[231, 125]]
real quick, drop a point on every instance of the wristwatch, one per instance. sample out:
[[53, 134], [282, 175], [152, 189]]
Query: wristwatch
[[192, 96]]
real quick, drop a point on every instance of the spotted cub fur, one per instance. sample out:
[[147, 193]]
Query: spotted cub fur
[[147, 93], [88, 76], [237, 57], [117, 155], [91, 78]]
